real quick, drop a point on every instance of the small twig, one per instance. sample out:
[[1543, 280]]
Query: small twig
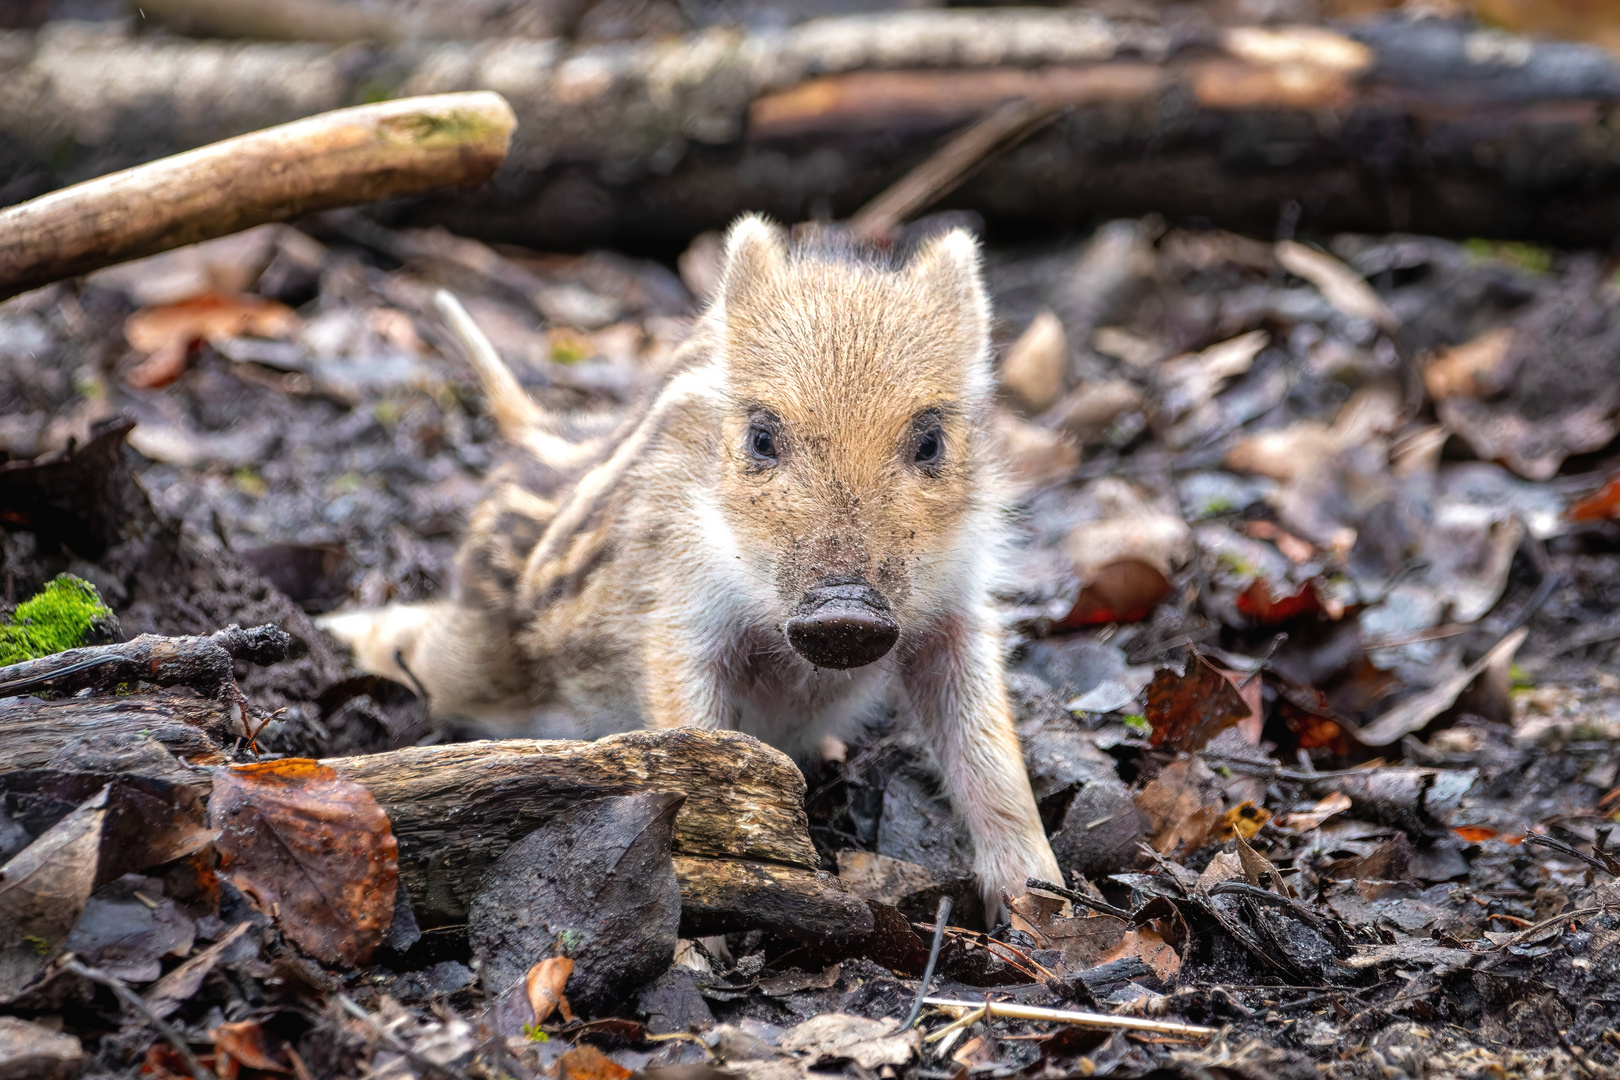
[[130, 999], [394, 1043], [1543, 591], [1568, 916], [1016, 960], [940, 916], [1080, 898], [1014, 1011], [1022, 958], [1266, 896], [1260, 665], [967, 1019], [950, 165], [1602, 860]]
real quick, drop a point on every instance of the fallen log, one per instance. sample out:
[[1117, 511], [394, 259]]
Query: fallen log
[[33, 732], [743, 854], [742, 844], [1391, 124], [336, 159]]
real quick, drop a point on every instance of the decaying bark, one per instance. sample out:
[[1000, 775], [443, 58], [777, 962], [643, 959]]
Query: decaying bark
[[337, 159], [1398, 124], [206, 664], [32, 732], [722, 895], [742, 844]]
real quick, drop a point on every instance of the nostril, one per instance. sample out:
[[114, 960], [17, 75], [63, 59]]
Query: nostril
[[842, 623]]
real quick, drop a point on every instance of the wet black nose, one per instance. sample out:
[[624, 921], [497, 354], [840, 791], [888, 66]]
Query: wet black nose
[[842, 624]]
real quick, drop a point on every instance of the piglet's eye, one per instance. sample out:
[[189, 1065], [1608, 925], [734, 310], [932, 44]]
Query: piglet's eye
[[930, 447], [761, 444]]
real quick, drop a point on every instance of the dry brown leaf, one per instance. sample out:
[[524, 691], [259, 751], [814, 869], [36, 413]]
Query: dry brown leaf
[[1472, 369], [1182, 806], [1284, 453], [1124, 524], [1188, 710], [1087, 940], [1192, 379], [1231, 84], [871, 1044], [586, 1062], [1257, 869], [1035, 455], [1305, 820], [246, 1044], [1251, 690], [1121, 592], [313, 849], [1147, 946], [1122, 344], [1034, 912], [1088, 410], [544, 985], [1580, 20], [1034, 367], [166, 333], [1415, 713], [1339, 285], [43, 888], [1293, 548]]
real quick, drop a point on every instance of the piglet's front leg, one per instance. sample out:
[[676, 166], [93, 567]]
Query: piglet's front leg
[[958, 693]]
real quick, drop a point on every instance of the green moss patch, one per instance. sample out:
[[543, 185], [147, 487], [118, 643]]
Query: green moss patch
[[60, 617]]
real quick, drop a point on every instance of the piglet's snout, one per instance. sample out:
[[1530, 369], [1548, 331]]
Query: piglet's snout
[[842, 623]]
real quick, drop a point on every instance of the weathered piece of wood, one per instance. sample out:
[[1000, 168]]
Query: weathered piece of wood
[[206, 664], [189, 726], [722, 895], [741, 839], [1392, 124], [340, 158]]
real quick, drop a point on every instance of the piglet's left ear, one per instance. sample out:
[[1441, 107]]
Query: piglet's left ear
[[946, 268]]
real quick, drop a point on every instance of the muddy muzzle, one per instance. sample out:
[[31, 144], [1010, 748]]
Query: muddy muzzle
[[842, 623]]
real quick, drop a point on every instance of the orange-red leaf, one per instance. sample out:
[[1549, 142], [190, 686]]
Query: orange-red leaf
[[1124, 591], [544, 985], [1186, 711], [167, 332], [313, 849], [586, 1062], [1262, 605], [1601, 506], [245, 1043]]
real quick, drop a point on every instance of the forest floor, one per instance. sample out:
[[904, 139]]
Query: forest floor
[[1311, 644]]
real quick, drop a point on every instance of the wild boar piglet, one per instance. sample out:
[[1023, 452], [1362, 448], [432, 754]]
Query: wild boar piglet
[[797, 533]]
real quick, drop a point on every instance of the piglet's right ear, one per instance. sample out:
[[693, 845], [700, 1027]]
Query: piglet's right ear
[[755, 251]]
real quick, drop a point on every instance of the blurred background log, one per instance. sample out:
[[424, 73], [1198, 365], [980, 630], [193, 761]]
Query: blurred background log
[[1391, 124]]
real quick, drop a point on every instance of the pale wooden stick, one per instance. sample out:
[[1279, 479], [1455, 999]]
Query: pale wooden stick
[[339, 158], [1013, 1011]]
